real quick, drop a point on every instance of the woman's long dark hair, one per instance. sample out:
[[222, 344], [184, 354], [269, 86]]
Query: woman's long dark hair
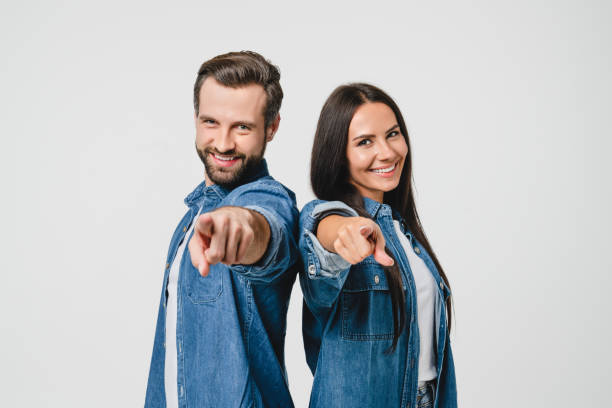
[[329, 176]]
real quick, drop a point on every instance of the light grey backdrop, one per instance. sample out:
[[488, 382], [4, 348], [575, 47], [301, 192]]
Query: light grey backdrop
[[508, 106]]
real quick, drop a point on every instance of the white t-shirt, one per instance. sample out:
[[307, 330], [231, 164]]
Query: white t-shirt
[[170, 368], [427, 291]]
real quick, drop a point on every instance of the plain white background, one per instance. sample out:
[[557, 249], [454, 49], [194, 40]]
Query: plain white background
[[508, 106]]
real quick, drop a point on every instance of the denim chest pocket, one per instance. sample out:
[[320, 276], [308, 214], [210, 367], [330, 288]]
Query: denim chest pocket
[[200, 289], [366, 303]]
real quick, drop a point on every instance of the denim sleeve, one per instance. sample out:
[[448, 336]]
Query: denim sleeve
[[277, 205], [325, 271]]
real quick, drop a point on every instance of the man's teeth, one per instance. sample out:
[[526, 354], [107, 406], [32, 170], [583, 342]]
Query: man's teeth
[[225, 158], [385, 170]]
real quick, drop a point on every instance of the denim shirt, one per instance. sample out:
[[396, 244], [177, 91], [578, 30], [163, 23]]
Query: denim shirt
[[231, 324], [348, 324]]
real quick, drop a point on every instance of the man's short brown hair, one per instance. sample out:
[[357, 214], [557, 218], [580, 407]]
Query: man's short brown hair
[[236, 69]]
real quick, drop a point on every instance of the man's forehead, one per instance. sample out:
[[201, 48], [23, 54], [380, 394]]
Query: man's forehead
[[247, 99]]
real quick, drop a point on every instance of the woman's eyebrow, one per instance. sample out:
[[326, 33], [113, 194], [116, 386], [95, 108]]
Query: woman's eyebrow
[[392, 127], [362, 137], [370, 135]]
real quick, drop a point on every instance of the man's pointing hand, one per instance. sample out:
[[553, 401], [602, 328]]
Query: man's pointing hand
[[228, 235]]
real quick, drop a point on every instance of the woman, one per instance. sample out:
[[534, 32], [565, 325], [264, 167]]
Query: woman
[[377, 300]]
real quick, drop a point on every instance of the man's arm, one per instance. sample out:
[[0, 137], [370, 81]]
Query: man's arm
[[228, 235]]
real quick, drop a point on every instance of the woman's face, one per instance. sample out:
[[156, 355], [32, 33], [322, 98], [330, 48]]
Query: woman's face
[[376, 150]]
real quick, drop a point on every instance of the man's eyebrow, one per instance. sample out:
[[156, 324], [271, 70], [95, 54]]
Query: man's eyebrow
[[370, 135], [203, 116], [244, 122]]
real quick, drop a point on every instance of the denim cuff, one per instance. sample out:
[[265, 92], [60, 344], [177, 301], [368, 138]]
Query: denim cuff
[[321, 262], [322, 210]]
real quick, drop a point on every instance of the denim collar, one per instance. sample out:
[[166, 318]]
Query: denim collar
[[374, 208], [197, 195]]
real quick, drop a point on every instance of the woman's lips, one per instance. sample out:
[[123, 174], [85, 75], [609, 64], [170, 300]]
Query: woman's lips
[[385, 172]]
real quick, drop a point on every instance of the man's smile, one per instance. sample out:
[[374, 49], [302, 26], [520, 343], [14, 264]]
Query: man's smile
[[224, 160]]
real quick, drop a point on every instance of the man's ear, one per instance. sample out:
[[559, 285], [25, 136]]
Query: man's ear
[[272, 128]]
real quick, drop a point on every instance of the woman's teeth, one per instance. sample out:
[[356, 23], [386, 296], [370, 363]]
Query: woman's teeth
[[385, 170]]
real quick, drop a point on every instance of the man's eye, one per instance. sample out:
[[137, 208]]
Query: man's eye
[[243, 127], [209, 121]]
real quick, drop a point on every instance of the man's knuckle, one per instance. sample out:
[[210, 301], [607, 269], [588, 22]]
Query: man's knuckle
[[337, 245]]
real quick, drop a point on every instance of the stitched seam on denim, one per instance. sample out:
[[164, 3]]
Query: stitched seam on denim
[[409, 293], [309, 280], [271, 184], [179, 316], [249, 315], [368, 288], [191, 292], [349, 335]]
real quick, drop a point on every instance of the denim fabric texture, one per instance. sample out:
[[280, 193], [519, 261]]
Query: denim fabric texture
[[231, 324], [348, 325], [425, 395]]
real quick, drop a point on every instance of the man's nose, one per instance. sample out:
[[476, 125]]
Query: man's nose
[[225, 141]]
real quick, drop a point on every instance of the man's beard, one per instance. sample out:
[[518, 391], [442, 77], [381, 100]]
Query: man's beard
[[234, 176]]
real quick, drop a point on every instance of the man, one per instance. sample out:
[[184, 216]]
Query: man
[[222, 316]]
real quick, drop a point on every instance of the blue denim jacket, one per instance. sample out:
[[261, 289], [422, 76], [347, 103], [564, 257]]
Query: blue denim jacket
[[348, 325], [231, 324]]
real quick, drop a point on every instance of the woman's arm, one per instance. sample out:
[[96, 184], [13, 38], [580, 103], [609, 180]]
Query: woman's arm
[[325, 268]]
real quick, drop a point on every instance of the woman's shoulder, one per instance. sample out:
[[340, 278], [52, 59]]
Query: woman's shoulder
[[318, 207]]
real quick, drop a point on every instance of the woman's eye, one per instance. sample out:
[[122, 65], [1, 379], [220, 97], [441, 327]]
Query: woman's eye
[[394, 133], [364, 142]]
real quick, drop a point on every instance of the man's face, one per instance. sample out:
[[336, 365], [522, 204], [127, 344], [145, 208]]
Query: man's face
[[230, 134]]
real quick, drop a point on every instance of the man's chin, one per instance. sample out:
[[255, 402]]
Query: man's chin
[[230, 177], [224, 177]]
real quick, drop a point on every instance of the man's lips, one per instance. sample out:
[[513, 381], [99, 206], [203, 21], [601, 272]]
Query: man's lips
[[224, 160]]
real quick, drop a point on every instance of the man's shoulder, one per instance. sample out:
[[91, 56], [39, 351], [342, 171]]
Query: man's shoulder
[[266, 185]]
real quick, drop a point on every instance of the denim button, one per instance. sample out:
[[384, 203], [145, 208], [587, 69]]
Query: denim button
[[417, 250], [376, 279], [441, 285], [184, 229], [167, 265], [311, 269]]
